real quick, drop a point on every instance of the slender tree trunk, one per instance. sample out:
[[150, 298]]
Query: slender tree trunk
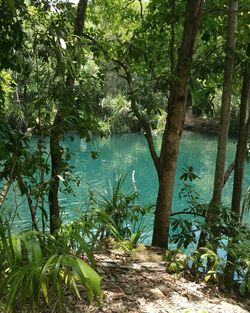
[[57, 132], [203, 236], [41, 174], [225, 105], [244, 126], [172, 40], [174, 125], [242, 138], [25, 189], [5, 191], [228, 172], [56, 163], [212, 213]]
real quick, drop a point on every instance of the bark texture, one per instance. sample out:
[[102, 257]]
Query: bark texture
[[174, 124], [240, 157], [225, 104], [57, 132], [56, 164], [228, 172], [242, 138], [5, 191], [32, 208], [219, 176]]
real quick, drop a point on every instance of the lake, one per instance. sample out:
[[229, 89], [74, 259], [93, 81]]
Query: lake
[[128, 154]]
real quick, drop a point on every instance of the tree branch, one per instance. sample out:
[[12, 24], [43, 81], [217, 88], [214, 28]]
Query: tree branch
[[5, 191], [228, 172], [185, 212], [225, 10], [144, 123], [25, 189], [128, 4], [141, 7]]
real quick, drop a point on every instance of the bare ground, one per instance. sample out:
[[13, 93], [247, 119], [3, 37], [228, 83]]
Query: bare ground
[[139, 283]]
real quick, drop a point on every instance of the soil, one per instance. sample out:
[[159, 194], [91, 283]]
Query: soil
[[139, 283]]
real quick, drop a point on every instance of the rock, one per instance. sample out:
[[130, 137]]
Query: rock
[[192, 297], [157, 294]]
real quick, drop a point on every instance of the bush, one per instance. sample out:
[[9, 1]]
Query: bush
[[116, 214], [116, 115], [226, 234], [36, 269]]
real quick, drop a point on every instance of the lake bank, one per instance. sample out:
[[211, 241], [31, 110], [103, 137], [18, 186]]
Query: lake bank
[[207, 126]]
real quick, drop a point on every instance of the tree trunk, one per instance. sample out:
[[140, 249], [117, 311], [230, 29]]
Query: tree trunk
[[56, 163], [174, 125], [25, 190], [228, 172], [244, 126], [163, 212], [172, 40], [212, 213], [225, 106], [57, 132], [5, 191]]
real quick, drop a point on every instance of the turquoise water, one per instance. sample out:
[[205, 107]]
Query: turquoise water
[[128, 154]]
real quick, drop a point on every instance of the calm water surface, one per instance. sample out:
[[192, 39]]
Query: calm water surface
[[129, 153]]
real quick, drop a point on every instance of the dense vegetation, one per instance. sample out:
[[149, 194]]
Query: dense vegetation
[[105, 66]]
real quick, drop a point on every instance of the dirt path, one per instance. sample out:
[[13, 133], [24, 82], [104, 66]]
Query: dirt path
[[142, 285]]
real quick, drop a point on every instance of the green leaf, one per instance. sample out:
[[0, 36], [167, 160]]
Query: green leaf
[[17, 249], [94, 278]]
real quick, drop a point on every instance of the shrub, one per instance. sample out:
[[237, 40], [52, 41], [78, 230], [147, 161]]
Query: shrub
[[36, 269], [227, 233], [116, 214]]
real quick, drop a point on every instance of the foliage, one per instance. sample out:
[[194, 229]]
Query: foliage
[[238, 247], [248, 151], [11, 33], [6, 88], [246, 203], [188, 223], [38, 51], [37, 268], [116, 115], [207, 262], [25, 165], [226, 234], [203, 262], [176, 261], [116, 214], [188, 174]]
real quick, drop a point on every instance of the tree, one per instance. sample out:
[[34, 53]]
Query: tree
[[12, 34], [225, 104], [51, 58], [57, 131], [133, 57], [212, 212], [11, 43], [240, 157], [244, 126], [174, 125]]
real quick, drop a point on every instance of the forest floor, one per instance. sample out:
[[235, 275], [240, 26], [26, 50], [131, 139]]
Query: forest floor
[[139, 283]]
